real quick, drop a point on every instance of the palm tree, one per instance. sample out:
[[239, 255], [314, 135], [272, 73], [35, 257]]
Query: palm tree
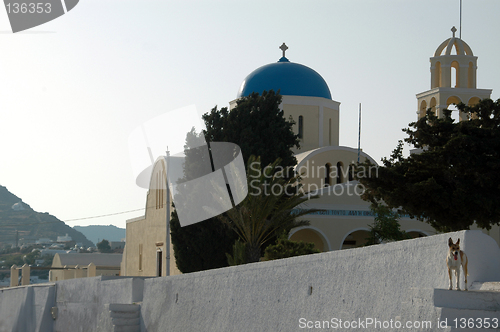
[[269, 209]]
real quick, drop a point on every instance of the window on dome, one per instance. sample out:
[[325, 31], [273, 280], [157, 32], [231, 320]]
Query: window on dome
[[301, 126]]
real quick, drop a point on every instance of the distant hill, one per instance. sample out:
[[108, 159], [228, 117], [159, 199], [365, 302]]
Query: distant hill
[[97, 233], [18, 217]]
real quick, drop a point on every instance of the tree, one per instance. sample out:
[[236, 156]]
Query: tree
[[201, 246], [258, 126], [455, 180], [285, 248], [269, 209], [104, 246], [386, 227]]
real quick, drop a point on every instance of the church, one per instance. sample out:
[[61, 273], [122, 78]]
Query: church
[[325, 165]]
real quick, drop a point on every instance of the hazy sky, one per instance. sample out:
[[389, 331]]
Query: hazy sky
[[73, 90]]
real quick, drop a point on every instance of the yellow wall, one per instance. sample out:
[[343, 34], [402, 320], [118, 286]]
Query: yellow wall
[[333, 138], [148, 234], [311, 115]]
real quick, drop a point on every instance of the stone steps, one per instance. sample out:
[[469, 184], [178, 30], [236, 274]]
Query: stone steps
[[486, 286], [125, 317], [475, 310], [472, 299]]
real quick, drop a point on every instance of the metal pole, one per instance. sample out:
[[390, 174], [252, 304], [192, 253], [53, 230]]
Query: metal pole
[[359, 133], [460, 19]]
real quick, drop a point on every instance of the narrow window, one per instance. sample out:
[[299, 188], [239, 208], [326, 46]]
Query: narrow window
[[301, 126], [351, 172], [339, 172], [159, 260], [140, 257], [455, 75], [328, 179]]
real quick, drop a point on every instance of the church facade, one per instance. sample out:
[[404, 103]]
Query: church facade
[[325, 165]]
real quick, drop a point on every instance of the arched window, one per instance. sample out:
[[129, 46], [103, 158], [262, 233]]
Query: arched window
[[328, 178], [351, 172], [455, 74], [432, 105], [423, 109], [301, 126], [339, 172]]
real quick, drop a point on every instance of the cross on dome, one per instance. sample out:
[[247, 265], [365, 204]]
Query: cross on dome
[[453, 30], [283, 47]]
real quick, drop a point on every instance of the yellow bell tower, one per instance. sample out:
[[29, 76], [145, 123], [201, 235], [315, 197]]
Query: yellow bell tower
[[453, 78]]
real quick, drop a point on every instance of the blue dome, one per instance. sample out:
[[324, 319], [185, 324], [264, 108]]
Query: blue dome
[[290, 78]]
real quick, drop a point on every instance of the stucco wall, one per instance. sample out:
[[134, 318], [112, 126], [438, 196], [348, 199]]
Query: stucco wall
[[394, 281], [27, 308], [82, 302]]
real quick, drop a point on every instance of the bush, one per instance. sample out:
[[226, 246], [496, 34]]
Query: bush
[[285, 248], [239, 254]]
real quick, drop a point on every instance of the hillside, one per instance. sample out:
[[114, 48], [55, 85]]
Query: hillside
[[97, 233], [16, 215]]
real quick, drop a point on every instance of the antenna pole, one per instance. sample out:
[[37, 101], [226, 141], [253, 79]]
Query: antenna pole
[[359, 132], [460, 33]]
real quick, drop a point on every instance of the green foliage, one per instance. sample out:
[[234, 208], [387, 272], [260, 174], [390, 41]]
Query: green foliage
[[257, 125], [201, 246], [265, 212], [104, 246], [386, 227], [240, 254], [455, 180], [285, 248]]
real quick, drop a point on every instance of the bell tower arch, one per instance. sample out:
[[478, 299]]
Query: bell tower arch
[[453, 78]]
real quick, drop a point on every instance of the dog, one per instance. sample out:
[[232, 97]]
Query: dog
[[454, 260]]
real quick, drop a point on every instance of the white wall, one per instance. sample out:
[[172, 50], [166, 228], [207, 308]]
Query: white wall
[[394, 281], [26, 308]]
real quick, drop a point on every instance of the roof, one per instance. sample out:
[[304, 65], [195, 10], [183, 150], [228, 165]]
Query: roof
[[85, 259], [290, 78], [461, 47]]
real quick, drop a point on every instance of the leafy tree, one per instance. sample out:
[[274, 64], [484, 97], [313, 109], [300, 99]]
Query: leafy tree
[[269, 209], [285, 248], [455, 180], [200, 246], [258, 126], [104, 246], [386, 227]]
